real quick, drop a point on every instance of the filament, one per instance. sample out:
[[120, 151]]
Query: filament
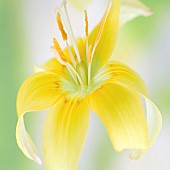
[[71, 35], [75, 72]]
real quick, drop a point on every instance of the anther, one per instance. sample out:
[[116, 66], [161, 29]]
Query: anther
[[59, 53], [87, 33], [87, 23], [64, 36], [61, 27]]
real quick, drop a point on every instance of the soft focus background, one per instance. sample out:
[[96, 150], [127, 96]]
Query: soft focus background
[[26, 31]]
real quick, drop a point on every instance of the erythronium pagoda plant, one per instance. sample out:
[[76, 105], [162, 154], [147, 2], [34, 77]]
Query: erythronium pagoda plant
[[80, 78]]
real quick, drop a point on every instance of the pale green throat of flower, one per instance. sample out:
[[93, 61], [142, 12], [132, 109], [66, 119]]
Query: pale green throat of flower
[[80, 80]]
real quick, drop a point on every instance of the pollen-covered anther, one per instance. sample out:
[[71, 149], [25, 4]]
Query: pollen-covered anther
[[87, 23], [59, 53], [61, 27]]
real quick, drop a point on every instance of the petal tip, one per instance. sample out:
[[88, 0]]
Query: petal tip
[[38, 161]]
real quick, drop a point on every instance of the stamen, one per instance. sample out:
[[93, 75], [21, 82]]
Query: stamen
[[102, 24], [68, 65], [89, 54], [75, 72], [71, 54], [87, 33], [72, 75], [64, 35], [87, 23], [89, 63], [70, 32], [59, 53], [59, 56], [61, 27]]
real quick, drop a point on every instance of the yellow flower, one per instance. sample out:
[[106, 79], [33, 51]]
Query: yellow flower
[[78, 78]]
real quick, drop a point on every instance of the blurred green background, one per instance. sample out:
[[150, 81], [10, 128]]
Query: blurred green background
[[144, 44]]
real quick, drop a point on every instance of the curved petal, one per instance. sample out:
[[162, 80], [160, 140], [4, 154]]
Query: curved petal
[[154, 122], [38, 92], [64, 133], [25, 142], [127, 78], [124, 75], [123, 116], [108, 39], [131, 9]]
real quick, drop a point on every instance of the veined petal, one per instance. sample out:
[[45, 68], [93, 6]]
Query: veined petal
[[131, 9], [108, 38], [121, 111], [64, 133], [124, 75], [38, 92], [154, 122]]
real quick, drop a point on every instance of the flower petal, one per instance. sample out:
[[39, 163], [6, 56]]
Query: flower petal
[[64, 133], [108, 39], [25, 142], [52, 65], [38, 92], [154, 121], [125, 76], [131, 9], [122, 114]]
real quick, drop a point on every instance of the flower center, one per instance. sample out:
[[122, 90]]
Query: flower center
[[79, 71]]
